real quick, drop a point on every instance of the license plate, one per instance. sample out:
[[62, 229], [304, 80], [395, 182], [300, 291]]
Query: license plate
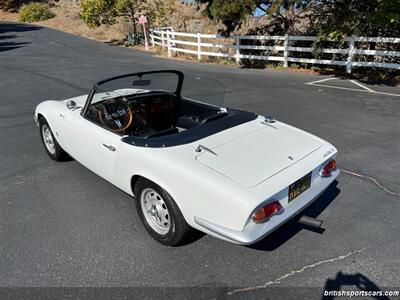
[[298, 187]]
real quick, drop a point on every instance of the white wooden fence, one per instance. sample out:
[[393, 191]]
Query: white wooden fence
[[282, 50]]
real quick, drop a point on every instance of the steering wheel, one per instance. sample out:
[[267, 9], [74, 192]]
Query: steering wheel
[[115, 115]]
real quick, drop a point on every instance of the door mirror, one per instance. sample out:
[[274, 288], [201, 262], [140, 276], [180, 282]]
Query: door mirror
[[71, 104]]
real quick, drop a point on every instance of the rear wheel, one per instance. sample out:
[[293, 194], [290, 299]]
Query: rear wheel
[[53, 149], [159, 213]]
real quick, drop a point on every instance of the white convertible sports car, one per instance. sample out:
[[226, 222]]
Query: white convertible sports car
[[230, 173]]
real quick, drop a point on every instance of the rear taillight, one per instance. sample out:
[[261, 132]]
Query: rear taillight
[[266, 211], [327, 170]]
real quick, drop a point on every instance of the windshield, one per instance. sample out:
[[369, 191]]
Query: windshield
[[166, 81], [195, 87], [203, 89]]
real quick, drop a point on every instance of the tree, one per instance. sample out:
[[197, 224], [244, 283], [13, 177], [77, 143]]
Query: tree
[[338, 18], [387, 14], [326, 17], [285, 13], [230, 13], [97, 12], [159, 12]]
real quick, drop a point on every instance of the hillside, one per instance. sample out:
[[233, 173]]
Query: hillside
[[184, 17]]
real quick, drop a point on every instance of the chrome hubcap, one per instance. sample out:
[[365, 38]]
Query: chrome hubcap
[[155, 211], [48, 139]]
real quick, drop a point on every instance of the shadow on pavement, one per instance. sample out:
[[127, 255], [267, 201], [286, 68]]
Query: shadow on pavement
[[193, 236], [352, 282], [11, 46], [292, 227], [6, 28], [17, 27]]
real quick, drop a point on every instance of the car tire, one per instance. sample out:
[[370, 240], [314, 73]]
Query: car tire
[[53, 149], [160, 214]]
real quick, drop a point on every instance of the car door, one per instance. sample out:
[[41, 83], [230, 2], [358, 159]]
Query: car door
[[93, 146]]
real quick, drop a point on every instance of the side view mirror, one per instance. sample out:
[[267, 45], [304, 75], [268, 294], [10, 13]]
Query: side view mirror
[[71, 104]]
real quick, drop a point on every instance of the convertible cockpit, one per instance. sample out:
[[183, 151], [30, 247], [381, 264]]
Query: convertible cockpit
[[148, 109], [151, 114]]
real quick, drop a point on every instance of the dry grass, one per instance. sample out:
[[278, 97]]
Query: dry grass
[[8, 16], [184, 17], [68, 20]]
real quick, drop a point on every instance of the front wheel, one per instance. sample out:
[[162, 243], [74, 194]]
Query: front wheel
[[53, 149], [159, 213]]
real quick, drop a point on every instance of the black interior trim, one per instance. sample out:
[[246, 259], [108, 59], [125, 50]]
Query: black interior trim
[[214, 117], [162, 132], [234, 118]]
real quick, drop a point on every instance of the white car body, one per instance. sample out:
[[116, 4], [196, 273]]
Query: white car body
[[217, 191]]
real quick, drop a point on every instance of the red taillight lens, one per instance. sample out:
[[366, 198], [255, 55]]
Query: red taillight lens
[[328, 168], [266, 212]]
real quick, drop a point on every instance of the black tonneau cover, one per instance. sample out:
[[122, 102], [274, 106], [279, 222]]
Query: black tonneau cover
[[234, 118]]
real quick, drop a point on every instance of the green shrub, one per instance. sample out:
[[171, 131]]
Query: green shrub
[[34, 12], [315, 69], [304, 66]]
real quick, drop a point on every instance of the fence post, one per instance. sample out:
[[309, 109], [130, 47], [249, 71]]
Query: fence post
[[172, 36], [168, 45], [350, 54], [198, 47], [152, 37], [237, 38], [162, 39], [285, 51]]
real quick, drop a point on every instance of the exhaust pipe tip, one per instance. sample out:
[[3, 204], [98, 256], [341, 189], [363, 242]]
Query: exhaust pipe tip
[[311, 222]]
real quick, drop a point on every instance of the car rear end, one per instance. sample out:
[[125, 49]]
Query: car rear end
[[289, 202], [281, 197]]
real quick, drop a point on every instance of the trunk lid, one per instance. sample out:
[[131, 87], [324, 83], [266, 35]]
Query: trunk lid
[[252, 158]]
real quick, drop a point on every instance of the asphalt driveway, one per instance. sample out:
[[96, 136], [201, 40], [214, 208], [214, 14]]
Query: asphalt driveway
[[61, 225]]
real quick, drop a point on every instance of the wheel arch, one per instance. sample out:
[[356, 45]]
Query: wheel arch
[[40, 116], [134, 180], [48, 110], [136, 177]]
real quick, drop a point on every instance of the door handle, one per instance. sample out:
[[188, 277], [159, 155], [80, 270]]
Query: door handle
[[109, 147]]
